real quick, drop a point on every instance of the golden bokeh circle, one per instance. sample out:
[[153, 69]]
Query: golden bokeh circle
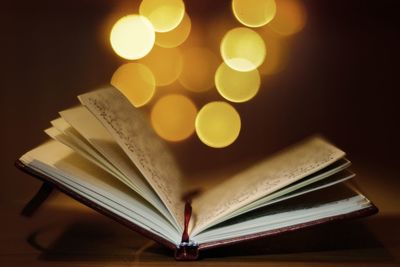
[[290, 18], [136, 82], [176, 36], [218, 124], [237, 86], [243, 49], [254, 13], [165, 64], [173, 117], [132, 37], [165, 15]]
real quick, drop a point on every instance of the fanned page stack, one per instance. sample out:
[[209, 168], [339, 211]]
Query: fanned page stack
[[105, 154]]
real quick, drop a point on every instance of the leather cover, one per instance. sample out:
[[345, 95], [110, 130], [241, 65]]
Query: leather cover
[[188, 251]]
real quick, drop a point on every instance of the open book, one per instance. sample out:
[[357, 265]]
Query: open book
[[105, 154]]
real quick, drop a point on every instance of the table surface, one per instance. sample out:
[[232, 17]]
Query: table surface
[[65, 233]]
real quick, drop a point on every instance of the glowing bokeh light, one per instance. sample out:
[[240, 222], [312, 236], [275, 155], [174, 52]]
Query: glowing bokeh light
[[173, 117], [132, 37], [165, 64], [290, 18], [199, 66], [218, 124], [243, 49], [254, 13], [165, 15], [136, 82], [176, 36], [237, 86]]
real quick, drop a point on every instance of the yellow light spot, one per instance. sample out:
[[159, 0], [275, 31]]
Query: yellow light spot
[[237, 86], [165, 64], [136, 82], [173, 117], [132, 37], [254, 13], [218, 124], [176, 36], [290, 17], [243, 49], [199, 66], [165, 15]]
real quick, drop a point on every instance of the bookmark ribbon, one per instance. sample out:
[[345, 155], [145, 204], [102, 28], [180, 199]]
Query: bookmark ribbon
[[187, 249], [188, 214], [187, 198], [34, 204]]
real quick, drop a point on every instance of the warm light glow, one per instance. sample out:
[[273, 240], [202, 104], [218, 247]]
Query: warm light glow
[[237, 86], [197, 34], [173, 117], [165, 15], [132, 37], [199, 66], [136, 82], [278, 53], [165, 63], [254, 13], [243, 49], [218, 124], [175, 37], [290, 17]]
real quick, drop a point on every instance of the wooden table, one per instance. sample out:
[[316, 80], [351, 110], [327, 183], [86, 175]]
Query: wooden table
[[65, 233]]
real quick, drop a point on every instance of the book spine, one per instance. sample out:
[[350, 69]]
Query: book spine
[[187, 250]]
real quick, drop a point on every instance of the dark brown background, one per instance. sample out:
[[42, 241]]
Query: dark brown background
[[342, 81]]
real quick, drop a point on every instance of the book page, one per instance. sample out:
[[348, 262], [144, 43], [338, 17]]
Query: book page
[[330, 175], [70, 137], [110, 161], [90, 129], [131, 130], [63, 165], [321, 204], [262, 179]]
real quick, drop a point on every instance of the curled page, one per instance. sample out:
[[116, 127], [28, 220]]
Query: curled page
[[131, 130], [262, 179]]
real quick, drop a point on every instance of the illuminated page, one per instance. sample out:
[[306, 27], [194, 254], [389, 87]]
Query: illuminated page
[[87, 136], [131, 130], [262, 179]]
